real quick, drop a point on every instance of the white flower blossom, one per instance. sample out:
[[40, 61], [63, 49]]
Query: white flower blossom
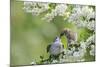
[[81, 16], [91, 25], [69, 52], [54, 61], [38, 8], [81, 50], [92, 51], [90, 40], [27, 6], [35, 8], [76, 54], [48, 17], [59, 10], [73, 49]]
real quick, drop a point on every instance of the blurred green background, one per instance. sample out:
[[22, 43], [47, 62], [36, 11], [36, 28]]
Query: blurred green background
[[30, 35]]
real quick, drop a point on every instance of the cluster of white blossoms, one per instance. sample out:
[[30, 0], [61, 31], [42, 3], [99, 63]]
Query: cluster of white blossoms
[[35, 8], [92, 51], [83, 16], [90, 40], [74, 55], [91, 43], [59, 10]]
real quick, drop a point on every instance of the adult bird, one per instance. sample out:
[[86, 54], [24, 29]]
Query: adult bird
[[55, 49]]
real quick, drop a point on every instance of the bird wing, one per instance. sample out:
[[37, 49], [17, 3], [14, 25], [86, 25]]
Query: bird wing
[[48, 48]]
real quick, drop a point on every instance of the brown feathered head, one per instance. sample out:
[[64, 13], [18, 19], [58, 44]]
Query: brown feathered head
[[70, 35]]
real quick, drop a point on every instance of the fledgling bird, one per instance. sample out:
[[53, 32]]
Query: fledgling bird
[[70, 35], [55, 49]]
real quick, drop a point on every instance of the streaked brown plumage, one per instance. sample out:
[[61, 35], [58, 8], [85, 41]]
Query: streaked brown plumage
[[70, 35]]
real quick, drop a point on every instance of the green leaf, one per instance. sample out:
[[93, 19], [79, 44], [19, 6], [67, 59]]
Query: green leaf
[[64, 41]]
